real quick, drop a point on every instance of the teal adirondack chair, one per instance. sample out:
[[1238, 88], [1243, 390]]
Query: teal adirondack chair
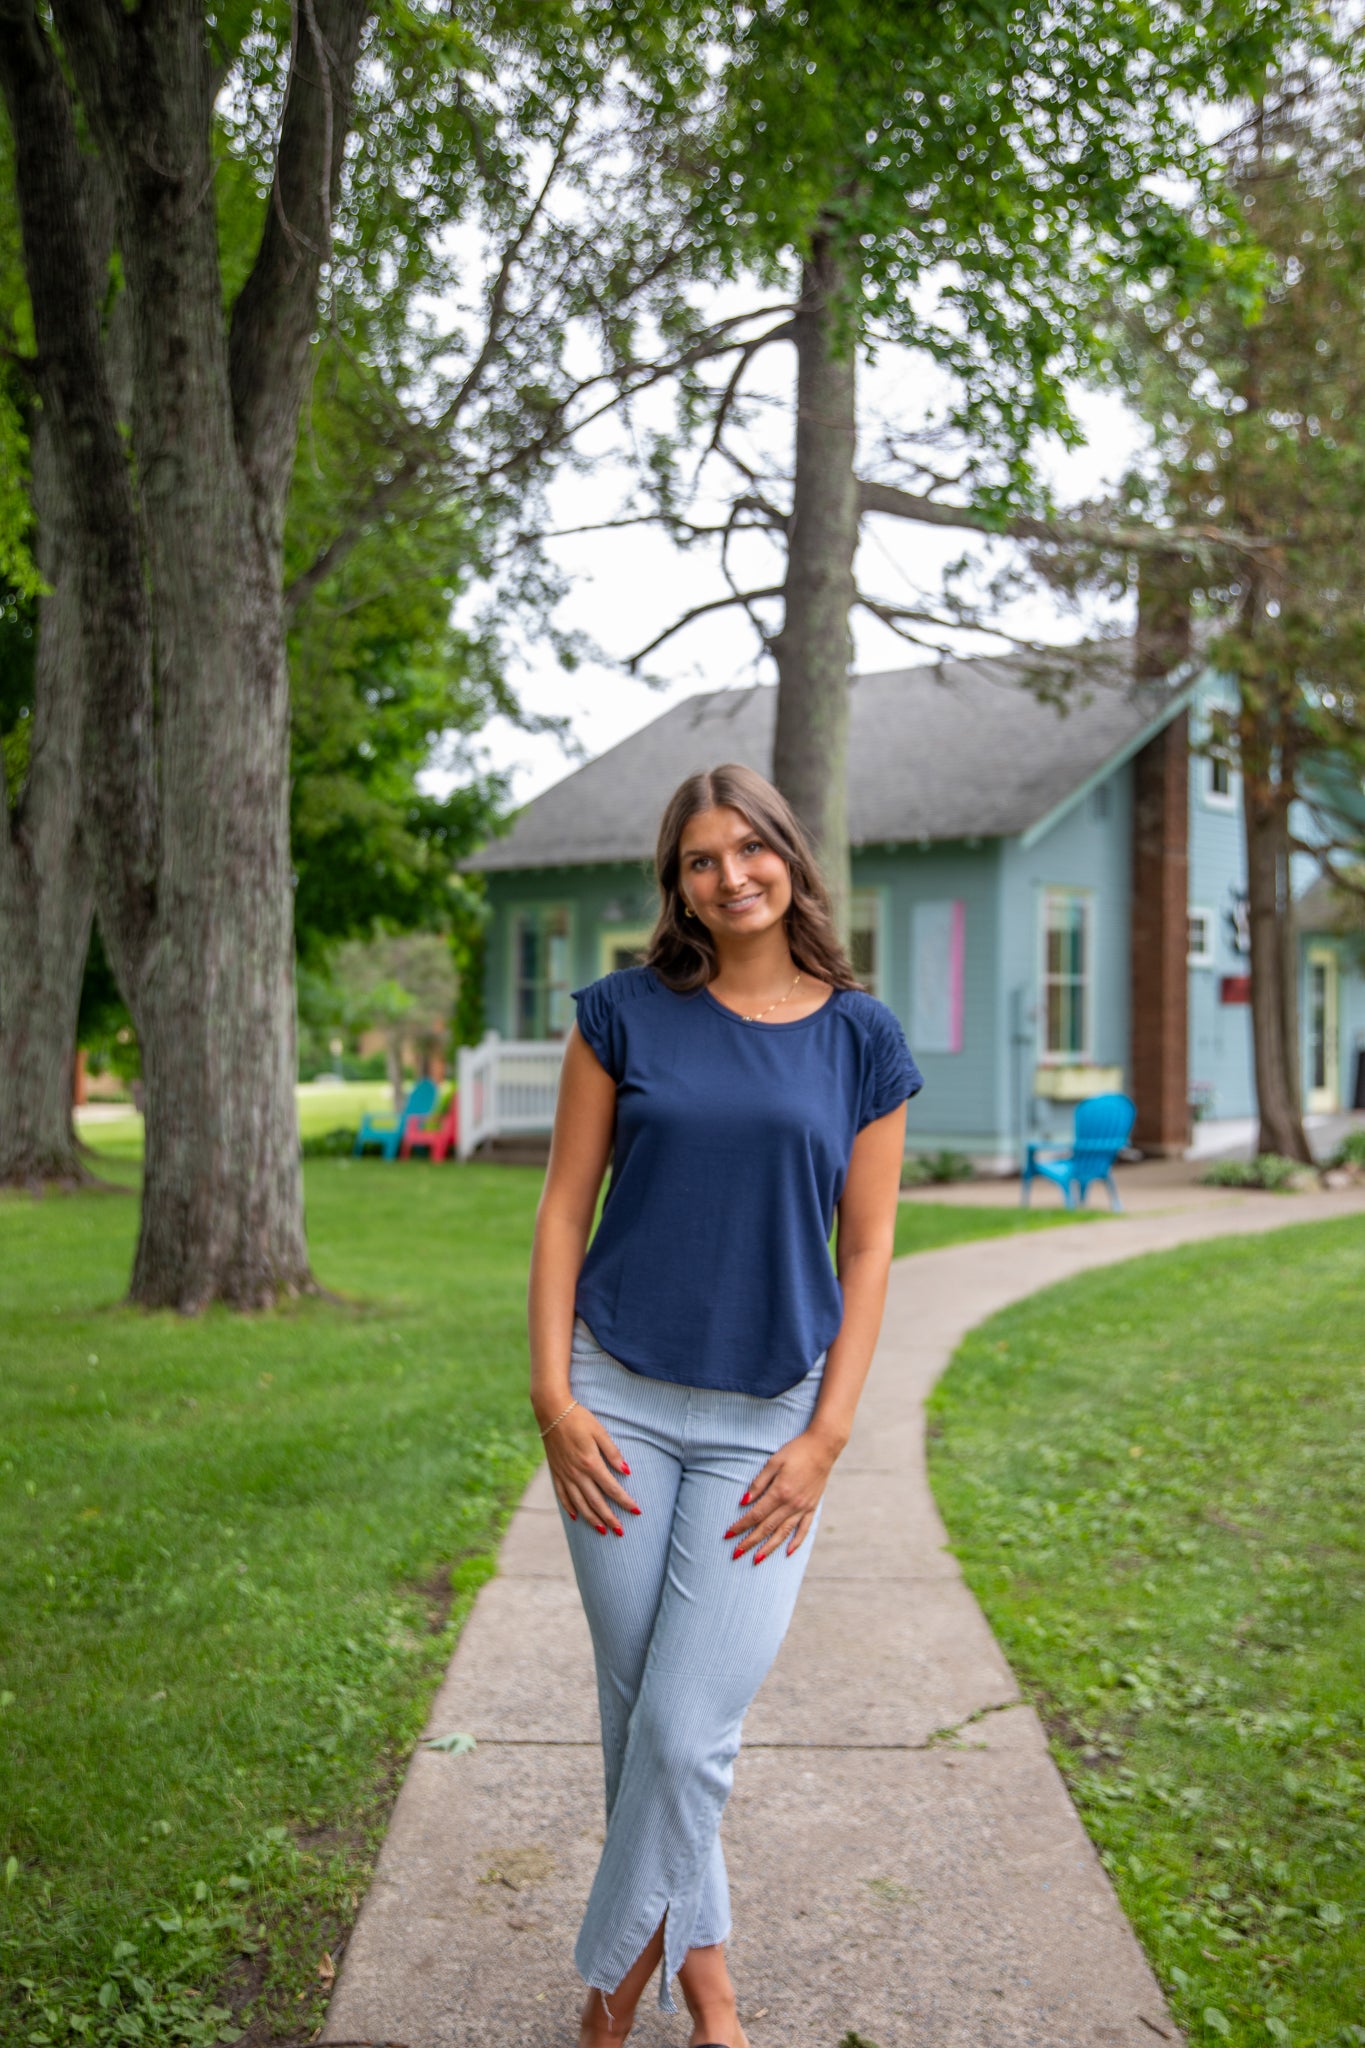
[[386, 1132], [1102, 1129]]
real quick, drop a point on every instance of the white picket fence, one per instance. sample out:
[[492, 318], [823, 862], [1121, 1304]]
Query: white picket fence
[[506, 1085]]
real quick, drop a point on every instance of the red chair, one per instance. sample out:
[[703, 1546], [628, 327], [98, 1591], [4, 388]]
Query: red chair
[[438, 1139]]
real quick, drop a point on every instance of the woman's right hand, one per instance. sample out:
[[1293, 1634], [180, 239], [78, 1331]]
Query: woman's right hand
[[584, 1463]]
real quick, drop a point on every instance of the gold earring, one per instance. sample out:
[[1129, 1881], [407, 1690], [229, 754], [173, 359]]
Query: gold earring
[[688, 911]]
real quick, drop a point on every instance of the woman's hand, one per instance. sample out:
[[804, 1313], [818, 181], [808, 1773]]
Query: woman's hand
[[583, 1464], [784, 1497]]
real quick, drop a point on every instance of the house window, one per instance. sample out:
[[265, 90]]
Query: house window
[[541, 1005], [1199, 949], [1067, 955], [1218, 759], [865, 937]]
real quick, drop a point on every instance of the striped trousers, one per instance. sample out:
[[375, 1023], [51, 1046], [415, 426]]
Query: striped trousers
[[683, 1635]]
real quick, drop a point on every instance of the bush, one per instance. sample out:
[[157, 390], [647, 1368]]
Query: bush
[[1351, 1150], [337, 1144], [1271, 1172], [929, 1169]]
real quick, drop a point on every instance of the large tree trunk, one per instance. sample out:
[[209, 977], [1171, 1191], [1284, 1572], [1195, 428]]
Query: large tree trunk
[[814, 650], [46, 892], [1273, 1004], [180, 590], [222, 1206]]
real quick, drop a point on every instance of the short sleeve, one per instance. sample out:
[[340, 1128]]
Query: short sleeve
[[597, 1022], [892, 1075]]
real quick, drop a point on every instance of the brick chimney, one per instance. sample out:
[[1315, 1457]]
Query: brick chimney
[[1159, 916]]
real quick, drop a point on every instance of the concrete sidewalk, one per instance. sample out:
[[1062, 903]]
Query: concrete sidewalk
[[904, 1857]]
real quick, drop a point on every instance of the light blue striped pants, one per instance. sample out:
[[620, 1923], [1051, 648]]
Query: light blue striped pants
[[683, 1635]]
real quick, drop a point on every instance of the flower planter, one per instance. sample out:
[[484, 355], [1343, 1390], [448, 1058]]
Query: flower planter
[[1076, 1084]]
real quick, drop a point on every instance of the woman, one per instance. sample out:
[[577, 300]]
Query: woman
[[704, 1350]]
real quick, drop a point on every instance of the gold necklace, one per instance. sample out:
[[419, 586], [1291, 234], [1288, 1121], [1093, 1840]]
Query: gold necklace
[[752, 1017]]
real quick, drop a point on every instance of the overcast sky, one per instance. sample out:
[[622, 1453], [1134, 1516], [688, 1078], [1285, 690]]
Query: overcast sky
[[627, 586]]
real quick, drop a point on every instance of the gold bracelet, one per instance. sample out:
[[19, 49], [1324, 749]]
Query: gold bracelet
[[558, 1419]]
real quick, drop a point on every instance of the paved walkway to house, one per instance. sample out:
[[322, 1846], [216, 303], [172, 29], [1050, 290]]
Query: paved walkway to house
[[925, 1892]]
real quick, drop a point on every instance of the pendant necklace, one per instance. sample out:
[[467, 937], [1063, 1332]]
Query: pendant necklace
[[753, 1017]]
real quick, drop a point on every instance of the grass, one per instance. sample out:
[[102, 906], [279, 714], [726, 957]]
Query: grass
[[238, 1551], [1153, 1476], [928, 1226]]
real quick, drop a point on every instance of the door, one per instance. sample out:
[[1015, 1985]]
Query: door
[[1324, 1038]]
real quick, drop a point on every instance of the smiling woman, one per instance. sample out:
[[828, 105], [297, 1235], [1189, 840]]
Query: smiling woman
[[702, 1347]]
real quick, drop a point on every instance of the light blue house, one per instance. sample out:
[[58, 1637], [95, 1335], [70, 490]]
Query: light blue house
[[1050, 899]]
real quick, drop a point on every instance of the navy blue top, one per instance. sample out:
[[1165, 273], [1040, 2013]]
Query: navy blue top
[[710, 1265]]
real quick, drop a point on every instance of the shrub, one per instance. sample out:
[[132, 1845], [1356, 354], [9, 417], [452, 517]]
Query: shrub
[[1271, 1172], [926, 1169], [1351, 1150], [336, 1144]]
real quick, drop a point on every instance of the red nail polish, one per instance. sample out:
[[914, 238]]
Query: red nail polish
[[740, 1551], [625, 1468], [615, 1531], [759, 1556], [636, 1511], [601, 1528], [572, 1516], [745, 1502]]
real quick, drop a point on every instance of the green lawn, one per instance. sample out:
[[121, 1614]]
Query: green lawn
[[237, 1552], [1154, 1477]]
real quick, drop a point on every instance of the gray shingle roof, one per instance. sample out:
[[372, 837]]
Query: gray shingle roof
[[1324, 908], [946, 751]]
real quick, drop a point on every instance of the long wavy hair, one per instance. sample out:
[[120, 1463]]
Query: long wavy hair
[[681, 950]]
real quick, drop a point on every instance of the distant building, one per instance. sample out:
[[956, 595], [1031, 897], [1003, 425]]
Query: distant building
[[1051, 899]]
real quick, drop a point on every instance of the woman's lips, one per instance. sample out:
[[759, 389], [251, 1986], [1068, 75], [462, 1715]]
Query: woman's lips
[[743, 902]]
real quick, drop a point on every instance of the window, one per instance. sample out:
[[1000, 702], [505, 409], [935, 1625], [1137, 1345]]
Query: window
[[1199, 950], [1216, 763], [1067, 948], [541, 1005], [865, 936]]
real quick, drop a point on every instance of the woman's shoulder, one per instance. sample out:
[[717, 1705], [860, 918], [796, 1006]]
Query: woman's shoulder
[[868, 1010], [621, 985]]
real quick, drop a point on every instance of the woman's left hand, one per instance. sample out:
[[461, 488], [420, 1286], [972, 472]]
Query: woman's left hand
[[782, 1500]]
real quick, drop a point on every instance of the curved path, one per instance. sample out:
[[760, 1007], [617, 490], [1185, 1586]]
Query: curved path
[[904, 1857]]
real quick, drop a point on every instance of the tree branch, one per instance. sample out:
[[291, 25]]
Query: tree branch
[[898, 504], [273, 319], [698, 611]]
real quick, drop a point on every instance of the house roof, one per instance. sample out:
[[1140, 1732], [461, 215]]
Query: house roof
[[1324, 908], [951, 750]]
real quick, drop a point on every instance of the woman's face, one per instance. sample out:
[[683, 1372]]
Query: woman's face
[[734, 881]]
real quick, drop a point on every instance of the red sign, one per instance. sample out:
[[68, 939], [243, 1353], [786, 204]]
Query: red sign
[[1235, 988]]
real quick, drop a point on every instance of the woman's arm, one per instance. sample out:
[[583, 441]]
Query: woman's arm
[[786, 1493], [583, 1459]]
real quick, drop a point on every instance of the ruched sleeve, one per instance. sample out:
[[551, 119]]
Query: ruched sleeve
[[597, 1022], [892, 1076]]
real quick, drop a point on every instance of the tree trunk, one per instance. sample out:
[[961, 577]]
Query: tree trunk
[[180, 574], [814, 650], [222, 1205], [46, 889], [1272, 1003]]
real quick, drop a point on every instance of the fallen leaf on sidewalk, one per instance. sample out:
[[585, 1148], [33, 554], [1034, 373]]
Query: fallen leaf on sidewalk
[[327, 1973], [452, 1745]]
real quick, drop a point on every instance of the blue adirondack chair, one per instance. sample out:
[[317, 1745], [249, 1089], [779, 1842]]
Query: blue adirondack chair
[[386, 1132], [1102, 1128]]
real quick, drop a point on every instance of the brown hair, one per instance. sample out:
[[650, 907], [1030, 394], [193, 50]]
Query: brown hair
[[681, 950]]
